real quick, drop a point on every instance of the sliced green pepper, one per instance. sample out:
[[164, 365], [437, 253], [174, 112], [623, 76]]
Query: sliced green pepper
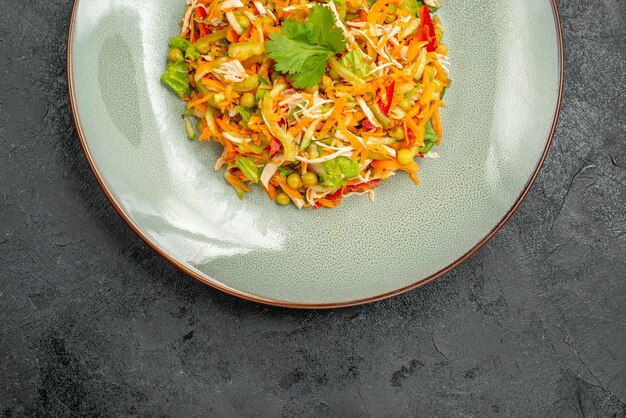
[[288, 141], [191, 131], [380, 116], [248, 168], [244, 50]]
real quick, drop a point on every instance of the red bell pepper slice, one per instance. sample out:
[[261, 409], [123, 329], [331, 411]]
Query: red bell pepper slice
[[411, 137], [275, 146], [355, 188], [367, 125], [428, 29], [203, 29], [201, 14], [389, 97]]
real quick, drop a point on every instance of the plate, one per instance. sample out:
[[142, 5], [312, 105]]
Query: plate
[[507, 78]]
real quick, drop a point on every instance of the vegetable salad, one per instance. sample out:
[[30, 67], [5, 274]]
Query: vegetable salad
[[313, 101]]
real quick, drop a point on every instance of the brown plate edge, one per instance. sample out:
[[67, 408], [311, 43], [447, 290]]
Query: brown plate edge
[[285, 304]]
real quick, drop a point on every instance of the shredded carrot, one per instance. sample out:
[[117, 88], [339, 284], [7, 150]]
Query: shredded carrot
[[394, 165], [326, 203], [213, 84], [246, 35], [297, 128], [427, 113], [200, 100], [235, 182], [292, 193], [272, 192], [437, 122], [226, 126], [192, 36], [231, 35], [417, 130], [441, 73], [415, 47], [354, 142], [337, 109], [376, 11]]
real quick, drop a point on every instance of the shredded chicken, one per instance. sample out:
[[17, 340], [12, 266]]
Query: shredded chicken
[[232, 71]]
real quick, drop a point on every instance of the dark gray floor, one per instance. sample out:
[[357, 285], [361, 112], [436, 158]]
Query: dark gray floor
[[92, 322]]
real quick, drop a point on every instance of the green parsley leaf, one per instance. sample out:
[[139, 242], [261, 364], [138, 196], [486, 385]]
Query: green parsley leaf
[[324, 33], [298, 31], [303, 48], [313, 70], [290, 55]]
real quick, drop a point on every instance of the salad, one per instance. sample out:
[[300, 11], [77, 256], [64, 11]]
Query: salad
[[315, 101]]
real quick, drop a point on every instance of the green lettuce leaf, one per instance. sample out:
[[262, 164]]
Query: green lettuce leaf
[[176, 77]]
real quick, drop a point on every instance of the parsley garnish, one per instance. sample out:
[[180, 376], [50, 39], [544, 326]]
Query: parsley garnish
[[303, 48]]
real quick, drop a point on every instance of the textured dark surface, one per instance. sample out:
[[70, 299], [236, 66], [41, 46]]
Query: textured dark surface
[[93, 322]]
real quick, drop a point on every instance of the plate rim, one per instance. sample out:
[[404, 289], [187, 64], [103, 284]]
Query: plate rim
[[297, 305]]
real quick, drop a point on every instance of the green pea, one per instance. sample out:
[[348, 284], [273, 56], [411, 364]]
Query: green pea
[[247, 100], [283, 199], [406, 105], [392, 9], [309, 179], [266, 20], [405, 156], [294, 181], [397, 132], [312, 89], [203, 45], [175, 55], [334, 75], [243, 21], [260, 94], [326, 82]]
